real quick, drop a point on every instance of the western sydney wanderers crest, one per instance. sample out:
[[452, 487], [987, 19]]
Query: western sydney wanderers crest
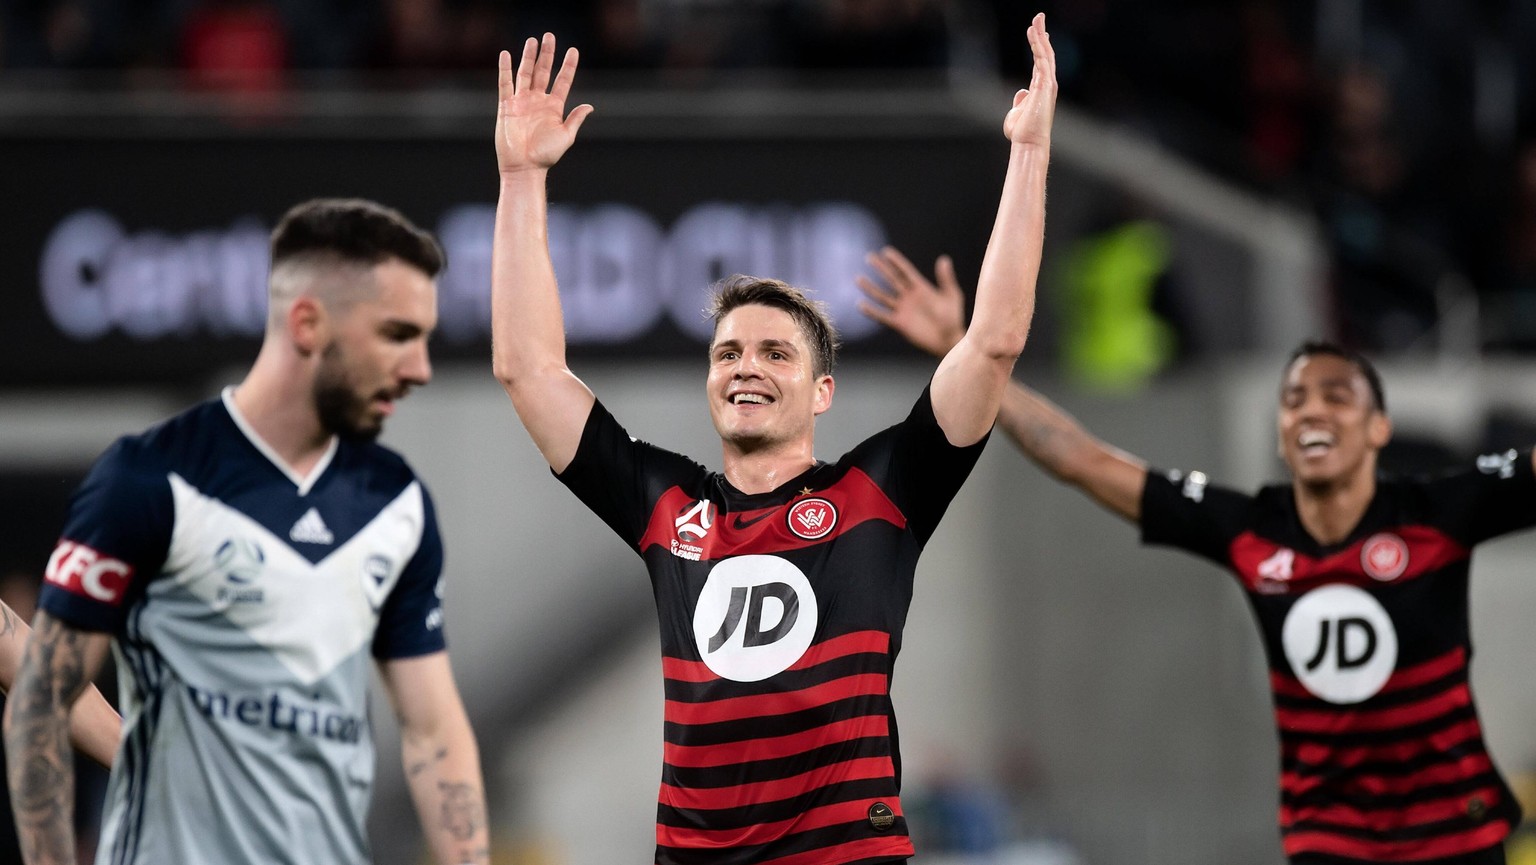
[[1384, 556], [812, 519]]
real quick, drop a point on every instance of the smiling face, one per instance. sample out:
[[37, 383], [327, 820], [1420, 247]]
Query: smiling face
[[377, 351], [1330, 427], [762, 387]]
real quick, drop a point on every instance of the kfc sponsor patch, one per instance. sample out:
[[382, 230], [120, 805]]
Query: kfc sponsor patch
[[82, 571]]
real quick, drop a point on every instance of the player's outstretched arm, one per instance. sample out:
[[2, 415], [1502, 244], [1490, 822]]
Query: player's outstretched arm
[[94, 727], [932, 317], [441, 759], [527, 331], [56, 667], [968, 386]]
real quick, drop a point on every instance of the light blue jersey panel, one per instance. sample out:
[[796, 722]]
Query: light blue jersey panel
[[248, 606]]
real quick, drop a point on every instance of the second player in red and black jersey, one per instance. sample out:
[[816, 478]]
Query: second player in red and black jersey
[[781, 617], [782, 582], [1359, 585], [1382, 755]]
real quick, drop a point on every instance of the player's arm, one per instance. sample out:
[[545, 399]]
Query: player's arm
[[932, 317], [441, 758], [56, 667], [527, 329], [968, 385], [93, 726]]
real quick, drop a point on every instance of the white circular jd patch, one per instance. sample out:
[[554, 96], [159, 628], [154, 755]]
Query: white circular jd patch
[[755, 617], [1340, 643]]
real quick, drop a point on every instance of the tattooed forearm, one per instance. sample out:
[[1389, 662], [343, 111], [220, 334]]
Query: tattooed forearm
[[416, 767], [1041, 431], [463, 809], [8, 620], [1036, 438], [41, 772]]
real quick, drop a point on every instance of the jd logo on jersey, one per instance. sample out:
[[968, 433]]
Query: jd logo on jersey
[[755, 634], [1340, 643], [755, 618]]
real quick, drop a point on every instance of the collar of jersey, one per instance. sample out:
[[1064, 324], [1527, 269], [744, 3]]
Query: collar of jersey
[[305, 484], [791, 487]]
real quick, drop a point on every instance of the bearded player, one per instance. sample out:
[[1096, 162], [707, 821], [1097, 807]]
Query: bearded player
[[249, 562]]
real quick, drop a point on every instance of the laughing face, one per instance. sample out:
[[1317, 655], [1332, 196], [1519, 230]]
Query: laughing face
[[762, 387], [378, 352], [1330, 427]]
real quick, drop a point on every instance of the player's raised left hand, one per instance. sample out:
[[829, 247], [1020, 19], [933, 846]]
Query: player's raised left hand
[[931, 317], [532, 129], [1029, 121]]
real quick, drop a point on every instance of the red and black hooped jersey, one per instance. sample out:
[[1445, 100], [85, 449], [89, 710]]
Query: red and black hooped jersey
[[1382, 754], [781, 616]]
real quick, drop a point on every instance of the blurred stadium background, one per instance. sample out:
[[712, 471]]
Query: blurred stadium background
[[1229, 177]]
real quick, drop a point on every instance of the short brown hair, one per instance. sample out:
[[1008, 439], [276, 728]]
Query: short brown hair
[[354, 230], [740, 290]]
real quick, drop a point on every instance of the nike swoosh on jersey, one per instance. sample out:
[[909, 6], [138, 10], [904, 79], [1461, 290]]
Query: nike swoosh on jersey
[[743, 523]]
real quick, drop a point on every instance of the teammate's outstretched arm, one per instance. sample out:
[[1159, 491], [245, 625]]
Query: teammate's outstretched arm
[[968, 386], [93, 727], [527, 331], [932, 317], [441, 758], [56, 667]]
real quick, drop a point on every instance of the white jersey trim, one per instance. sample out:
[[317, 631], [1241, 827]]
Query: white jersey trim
[[305, 484]]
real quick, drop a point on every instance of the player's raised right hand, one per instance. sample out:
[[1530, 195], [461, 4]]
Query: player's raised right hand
[[532, 128]]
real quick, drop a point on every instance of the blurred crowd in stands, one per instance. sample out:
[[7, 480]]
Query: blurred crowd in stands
[[267, 38], [1407, 126]]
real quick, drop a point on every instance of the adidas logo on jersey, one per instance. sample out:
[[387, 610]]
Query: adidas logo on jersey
[[311, 529]]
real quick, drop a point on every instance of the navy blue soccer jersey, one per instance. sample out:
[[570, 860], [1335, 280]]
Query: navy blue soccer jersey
[[1368, 645], [781, 617], [246, 606]]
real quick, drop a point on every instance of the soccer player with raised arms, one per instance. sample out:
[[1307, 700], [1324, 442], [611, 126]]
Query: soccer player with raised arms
[[249, 561], [1358, 584], [782, 582]]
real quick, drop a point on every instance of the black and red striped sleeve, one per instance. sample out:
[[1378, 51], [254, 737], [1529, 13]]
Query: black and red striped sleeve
[[620, 477], [914, 463], [1494, 497], [1182, 509]]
